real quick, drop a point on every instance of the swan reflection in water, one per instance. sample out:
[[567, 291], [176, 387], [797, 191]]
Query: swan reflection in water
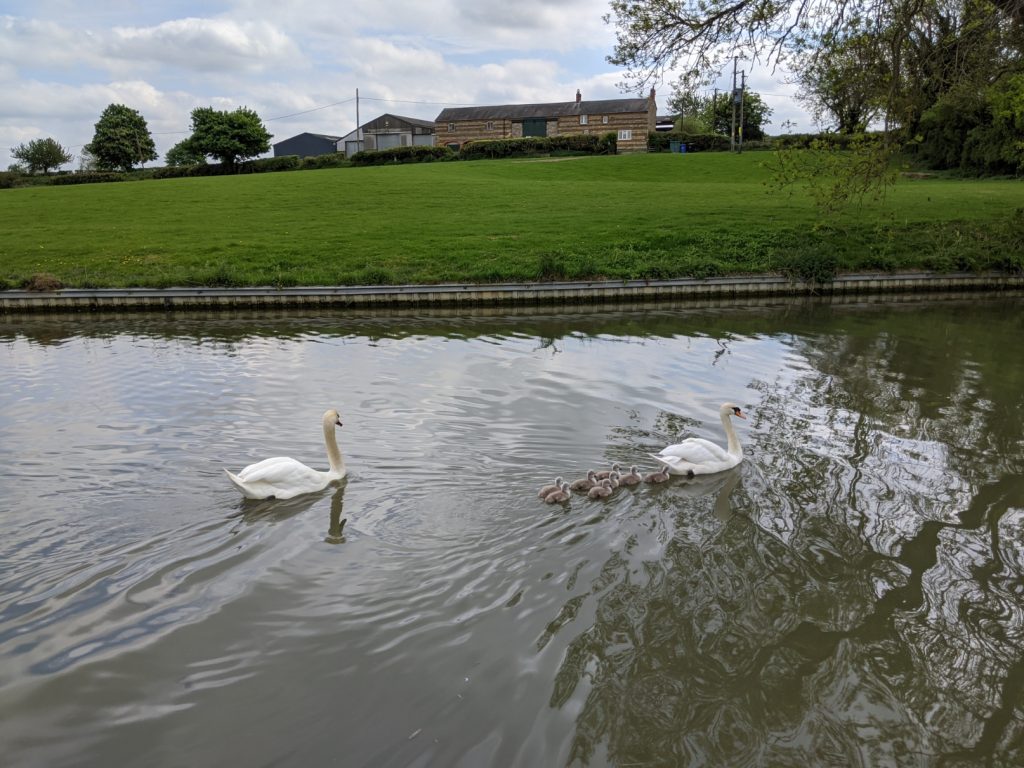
[[722, 484], [277, 510]]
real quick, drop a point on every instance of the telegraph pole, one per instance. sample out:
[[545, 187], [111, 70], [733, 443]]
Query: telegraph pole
[[359, 131], [732, 127], [743, 90]]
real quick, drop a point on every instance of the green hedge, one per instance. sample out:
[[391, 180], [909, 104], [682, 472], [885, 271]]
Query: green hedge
[[823, 140], [415, 154], [332, 160], [695, 142], [88, 177], [586, 143]]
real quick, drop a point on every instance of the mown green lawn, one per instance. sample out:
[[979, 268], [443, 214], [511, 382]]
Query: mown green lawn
[[634, 216]]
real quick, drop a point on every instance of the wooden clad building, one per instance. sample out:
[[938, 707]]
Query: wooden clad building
[[630, 119]]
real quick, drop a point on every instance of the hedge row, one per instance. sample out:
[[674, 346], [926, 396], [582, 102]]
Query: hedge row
[[829, 140], [588, 143], [695, 142], [414, 154], [88, 177]]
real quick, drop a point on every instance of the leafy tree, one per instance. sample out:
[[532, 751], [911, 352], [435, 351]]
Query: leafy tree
[[914, 46], [228, 136], [121, 140], [837, 86], [184, 153], [41, 155], [755, 115]]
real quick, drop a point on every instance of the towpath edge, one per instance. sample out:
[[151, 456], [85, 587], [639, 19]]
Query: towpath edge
[[496, 294]]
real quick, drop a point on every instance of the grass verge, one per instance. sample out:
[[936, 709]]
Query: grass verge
[[637, 216]]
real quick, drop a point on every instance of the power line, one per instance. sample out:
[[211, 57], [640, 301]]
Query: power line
[[307, 111]]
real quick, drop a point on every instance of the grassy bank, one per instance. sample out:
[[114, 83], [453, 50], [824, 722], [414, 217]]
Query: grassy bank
[[642, 216]]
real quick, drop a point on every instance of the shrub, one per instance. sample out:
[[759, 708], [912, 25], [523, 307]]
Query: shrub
[[414, 154], [333, 160], [584, 143], [8, 179], [173, 171], [88, 177], [609, 143], [695, 142], [271, 164]]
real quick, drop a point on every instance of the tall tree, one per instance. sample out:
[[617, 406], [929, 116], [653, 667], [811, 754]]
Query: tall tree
[[122, 139], [837, 85], [184, 153], [41, 155], [228, 136], [699, 36]]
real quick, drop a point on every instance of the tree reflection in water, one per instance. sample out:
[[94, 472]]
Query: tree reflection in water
[[860, 601]]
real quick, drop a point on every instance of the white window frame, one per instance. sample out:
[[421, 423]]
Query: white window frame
[[584, 119], [490, 125], [604, 119], [625, 134], [451, 127]]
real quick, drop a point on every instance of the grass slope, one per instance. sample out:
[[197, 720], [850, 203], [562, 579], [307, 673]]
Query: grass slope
[[634, 216]]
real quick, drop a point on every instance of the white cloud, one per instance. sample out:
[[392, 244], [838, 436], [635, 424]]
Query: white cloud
[[204, 44]]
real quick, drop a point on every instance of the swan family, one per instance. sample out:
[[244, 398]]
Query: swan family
[[282, 477], [693, 456]]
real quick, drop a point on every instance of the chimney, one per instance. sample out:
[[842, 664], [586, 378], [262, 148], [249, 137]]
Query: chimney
[[652, 93], [579, 96]]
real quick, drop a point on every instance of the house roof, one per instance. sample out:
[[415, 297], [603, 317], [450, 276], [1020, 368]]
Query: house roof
[[559, 109], [396, 121]]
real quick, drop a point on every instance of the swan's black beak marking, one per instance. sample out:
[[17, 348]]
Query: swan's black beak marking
[[739, 413], [338, 422]]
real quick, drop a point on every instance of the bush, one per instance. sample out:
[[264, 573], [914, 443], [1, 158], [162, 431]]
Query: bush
[[414, 154], [8, 179], [695, 142], [271, 164], [333, 160], [609, 144], [173, 171], [584, 143], [88, 177], [820, 140]]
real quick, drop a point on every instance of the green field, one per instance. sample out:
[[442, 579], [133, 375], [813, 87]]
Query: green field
[[640, 216]]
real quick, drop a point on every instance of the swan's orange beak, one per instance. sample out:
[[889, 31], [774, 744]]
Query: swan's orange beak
[[741, 414]]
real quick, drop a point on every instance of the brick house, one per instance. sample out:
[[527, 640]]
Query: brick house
[[630, 119]]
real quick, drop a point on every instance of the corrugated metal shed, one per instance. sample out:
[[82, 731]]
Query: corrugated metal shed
[[526, 111]]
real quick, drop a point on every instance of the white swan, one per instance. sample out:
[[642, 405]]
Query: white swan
[[697, 456], [283, 477]]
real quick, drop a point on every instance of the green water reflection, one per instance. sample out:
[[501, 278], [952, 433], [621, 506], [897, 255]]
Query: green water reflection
[[864, 602]]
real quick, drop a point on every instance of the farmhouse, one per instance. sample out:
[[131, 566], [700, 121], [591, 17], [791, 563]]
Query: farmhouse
[[306, 145], [630, 119], [388, 131]]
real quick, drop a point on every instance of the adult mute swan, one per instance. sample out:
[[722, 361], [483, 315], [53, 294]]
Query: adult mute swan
[[283, 477], [697, 456]]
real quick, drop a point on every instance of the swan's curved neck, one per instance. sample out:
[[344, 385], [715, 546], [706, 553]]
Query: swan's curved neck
[[333, 452], [734, 442]]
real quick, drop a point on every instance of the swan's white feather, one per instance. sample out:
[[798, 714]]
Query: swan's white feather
[[697, 456], [284, 477]]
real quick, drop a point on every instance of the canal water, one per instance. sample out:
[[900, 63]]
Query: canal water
[[851, 594]]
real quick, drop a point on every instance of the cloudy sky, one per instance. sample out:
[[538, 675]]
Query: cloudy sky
[[298, 62]]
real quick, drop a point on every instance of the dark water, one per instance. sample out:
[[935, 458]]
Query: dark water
[[852, 594]]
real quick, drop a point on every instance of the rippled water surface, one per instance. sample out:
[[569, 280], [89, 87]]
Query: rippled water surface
[[852, 594]]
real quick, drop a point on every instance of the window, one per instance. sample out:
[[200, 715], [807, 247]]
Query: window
[[490, 125], [451, 127], [604, 119], [584, 119], [625, 135]]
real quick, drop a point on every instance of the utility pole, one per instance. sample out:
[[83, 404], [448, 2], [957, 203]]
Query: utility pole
[[359, 131], [732, 127], [714, 112], [743, 90]]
